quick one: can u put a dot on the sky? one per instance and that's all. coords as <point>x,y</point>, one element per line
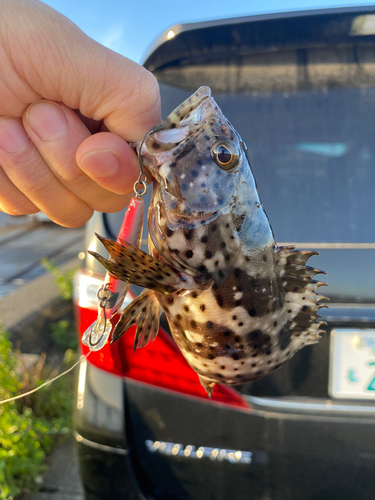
<point>130,27</point>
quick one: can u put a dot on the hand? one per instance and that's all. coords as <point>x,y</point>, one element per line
<point>57,88</point>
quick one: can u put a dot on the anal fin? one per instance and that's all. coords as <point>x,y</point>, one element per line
<point>143,311</point>
<point>207,384</point>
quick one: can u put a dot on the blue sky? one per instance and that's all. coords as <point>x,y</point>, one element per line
<point>129,27</point>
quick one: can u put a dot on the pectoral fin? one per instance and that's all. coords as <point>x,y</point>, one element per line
<point>134,266</point>
<point>144,311</point>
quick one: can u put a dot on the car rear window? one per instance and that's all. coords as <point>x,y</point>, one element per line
<point>308,119</point>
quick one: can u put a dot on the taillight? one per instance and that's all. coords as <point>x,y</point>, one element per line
<point>160,363</point>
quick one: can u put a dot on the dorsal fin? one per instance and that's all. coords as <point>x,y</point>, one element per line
<point>302,301</point>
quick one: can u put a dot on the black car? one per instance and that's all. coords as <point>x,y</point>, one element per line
<point>300,89</point>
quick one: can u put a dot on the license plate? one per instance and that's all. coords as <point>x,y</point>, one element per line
<point>352,364</point>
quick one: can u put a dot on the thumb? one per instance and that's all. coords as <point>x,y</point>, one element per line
<point>53,59</point>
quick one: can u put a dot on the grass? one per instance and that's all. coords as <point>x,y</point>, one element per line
<point>31,427</point>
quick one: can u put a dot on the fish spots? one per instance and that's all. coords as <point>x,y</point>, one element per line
<point>202,269</point>
<point>219,300</point>
<point>188,234</point>
<point>209,324</point>
<point>193,324</point>
<point>285,336</point>
<point>256,334</point>
<point>202,307</point>
<point>208,254</point>
<point>189,254</point>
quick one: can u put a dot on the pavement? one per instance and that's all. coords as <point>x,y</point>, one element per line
<point>61,481</point>
<point>27,308</point>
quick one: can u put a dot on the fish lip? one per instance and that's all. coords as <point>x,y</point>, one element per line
<point>191,218</point>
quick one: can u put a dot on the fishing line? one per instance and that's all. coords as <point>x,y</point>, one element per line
<point>82,358</point>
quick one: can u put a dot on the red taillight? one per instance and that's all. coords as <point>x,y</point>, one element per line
<point>160,363</point>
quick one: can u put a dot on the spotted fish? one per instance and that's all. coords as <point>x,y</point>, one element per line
<point>237,305</point>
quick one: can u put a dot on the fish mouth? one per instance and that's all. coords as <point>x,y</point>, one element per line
<point>177,217</point>
<point>180,125</point>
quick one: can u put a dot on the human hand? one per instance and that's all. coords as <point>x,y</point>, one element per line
<point>67,106</point>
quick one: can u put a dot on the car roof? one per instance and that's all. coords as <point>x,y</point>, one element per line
<point>258,32</point>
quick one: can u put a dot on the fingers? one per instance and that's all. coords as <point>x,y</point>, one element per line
<point>27,172</point>
<point>109,161</point>
<point>12,201</point>
<point>45,56</point>
<point>42,173</point>
<point>57,132</point>
<point>52,58</point>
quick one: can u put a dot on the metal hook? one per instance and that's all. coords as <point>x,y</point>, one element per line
<point>100,337</point>
<point>142,179</point>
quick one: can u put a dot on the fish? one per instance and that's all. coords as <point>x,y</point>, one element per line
<point>238,306</point>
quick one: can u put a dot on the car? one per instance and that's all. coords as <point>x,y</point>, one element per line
<point>299,88</point>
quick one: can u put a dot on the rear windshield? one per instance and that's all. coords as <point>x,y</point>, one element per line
<point>308,119</point>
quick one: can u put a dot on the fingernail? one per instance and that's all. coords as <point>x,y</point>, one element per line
<point>101,163</point>
<point>48,120</point>
<point>13,137</point>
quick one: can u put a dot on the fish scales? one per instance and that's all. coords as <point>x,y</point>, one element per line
<point>237,305</point>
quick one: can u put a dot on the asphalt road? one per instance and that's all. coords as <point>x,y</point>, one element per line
<point>24,242</point>
<point>61,482</point>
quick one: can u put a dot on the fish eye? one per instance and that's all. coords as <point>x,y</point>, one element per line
<point>225,154</point>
